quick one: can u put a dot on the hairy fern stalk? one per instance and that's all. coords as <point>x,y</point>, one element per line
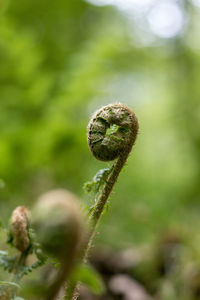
<point>111,134</point>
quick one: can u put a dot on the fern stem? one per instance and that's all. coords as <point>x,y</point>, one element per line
<point>107,146</point>
<point>60,278</point>
<point>103,198</point>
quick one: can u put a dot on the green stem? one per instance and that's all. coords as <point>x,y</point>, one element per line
<point>60,278</point>
<point>103,198</point>
<point>19,263</point>
<point>111,134</point>
<point>71,291</point>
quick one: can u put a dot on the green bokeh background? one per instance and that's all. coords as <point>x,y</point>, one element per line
<point>60,61</point>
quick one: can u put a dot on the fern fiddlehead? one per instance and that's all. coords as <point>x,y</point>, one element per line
<point>58,222</point>
<point>19,228</point>
<point>111,134</point>
<point>112,131</point>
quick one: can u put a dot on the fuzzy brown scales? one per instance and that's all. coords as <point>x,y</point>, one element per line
<point>19,228</point>
<point>112,131</point>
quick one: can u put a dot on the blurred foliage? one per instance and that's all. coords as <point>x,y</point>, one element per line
<point>61,60</point>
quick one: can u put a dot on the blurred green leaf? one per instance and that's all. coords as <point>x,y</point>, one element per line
<point>14,284</point>
<point>89,277</point>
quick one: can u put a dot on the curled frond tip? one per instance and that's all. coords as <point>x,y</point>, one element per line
<point>112,131</point>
